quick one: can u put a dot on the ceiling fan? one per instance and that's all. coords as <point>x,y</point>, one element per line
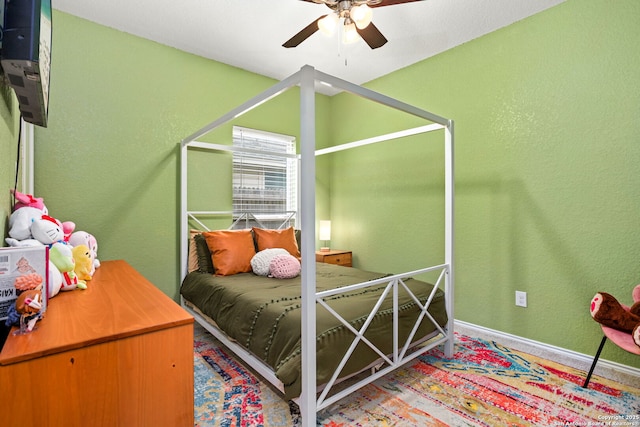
<point>356,18</point>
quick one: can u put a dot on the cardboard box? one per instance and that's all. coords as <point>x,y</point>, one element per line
<point>22,268</point>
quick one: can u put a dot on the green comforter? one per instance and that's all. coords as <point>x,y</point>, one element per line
<point>263,315</point>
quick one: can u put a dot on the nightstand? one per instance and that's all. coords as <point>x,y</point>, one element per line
<point>334,256</point>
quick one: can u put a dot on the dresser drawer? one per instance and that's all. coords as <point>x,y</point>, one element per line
<point>341,258</point>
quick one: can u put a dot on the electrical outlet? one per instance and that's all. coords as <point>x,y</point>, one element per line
<point>521,299</point>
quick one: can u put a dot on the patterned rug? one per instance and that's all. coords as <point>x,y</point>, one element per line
<point>483,384</point>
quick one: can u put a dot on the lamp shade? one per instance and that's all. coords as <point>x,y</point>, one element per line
<point>328,24</point>
<point>324,233</point>
<point>361,15</point>
<point>349,33</point>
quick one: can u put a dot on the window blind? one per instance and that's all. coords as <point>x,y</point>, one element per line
<point>265,177</point>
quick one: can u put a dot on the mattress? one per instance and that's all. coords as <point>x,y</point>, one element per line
<point>263,315</point>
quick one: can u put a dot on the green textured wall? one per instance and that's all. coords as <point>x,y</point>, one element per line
<point>119,107</point>
<point>547,151</point>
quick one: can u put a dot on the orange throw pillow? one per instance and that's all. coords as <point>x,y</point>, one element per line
<point>268,239</point>
<point>231,251</point>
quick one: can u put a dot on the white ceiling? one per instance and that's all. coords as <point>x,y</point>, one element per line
<point>249,33</point>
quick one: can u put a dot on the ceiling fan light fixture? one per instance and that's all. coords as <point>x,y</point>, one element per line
<point>328,24</point>
<point>361,15</point>
<point>349,33</point>
<point>356,18</point>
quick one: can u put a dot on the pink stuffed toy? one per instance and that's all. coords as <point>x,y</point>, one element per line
<point>27,200</point>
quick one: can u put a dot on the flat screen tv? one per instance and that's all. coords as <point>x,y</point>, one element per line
<point>26,55</point>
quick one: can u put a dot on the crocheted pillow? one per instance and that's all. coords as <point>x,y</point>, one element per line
<point>284,266</point>
<point>261,261</point>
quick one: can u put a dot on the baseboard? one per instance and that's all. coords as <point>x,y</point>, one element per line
<point>604,368</point>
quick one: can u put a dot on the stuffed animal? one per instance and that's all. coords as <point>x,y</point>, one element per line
<point>62,257</point>
<point>84,238</point>
<point>47,230</point>
<point>27,225</point>
<point>84,264</point>
<point>606,310</point>
<point>20,222</point>
<point>54,280</point>
<point>15,243</point>
<point>25,210</point>
<point>67,229</point>
<point>27,200</point>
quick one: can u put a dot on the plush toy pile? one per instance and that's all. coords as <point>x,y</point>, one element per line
<point>606,310</point>
<point>73,255</point>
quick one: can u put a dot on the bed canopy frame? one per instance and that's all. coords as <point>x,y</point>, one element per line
<point>307,78</point>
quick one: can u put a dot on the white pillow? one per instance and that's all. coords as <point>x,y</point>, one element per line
<point>261,261</point>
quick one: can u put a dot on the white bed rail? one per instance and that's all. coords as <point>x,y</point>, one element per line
<point>240,217</point>
<point>399,355</point>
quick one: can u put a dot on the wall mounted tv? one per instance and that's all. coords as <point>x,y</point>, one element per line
<point>26,55</point>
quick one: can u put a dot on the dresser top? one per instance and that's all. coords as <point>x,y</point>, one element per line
<point>118,303</point>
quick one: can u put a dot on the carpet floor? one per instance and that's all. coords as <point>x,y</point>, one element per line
<point>483,384</point>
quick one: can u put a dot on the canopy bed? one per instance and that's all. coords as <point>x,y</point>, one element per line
<point>305,335</point>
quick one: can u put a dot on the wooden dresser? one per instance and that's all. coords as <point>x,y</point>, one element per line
<point>334,256</point>
<point>117,354</point>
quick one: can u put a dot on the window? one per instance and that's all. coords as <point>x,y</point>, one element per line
<point>265,179</point>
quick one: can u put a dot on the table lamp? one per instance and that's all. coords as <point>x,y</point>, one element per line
<point>324,234</point>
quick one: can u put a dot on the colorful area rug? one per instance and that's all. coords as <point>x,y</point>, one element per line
<point>483,384</point>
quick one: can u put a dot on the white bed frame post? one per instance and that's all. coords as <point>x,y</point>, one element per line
<point>184,218</point>
<point>449,185</point>
<point>308,214</point>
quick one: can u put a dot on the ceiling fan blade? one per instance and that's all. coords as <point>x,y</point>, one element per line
<point>372,36</point>
<point>304,34</point>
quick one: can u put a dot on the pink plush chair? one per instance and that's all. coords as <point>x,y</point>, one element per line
<point>623,340</point>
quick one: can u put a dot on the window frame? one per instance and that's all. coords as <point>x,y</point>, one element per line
<point>255,158</point>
